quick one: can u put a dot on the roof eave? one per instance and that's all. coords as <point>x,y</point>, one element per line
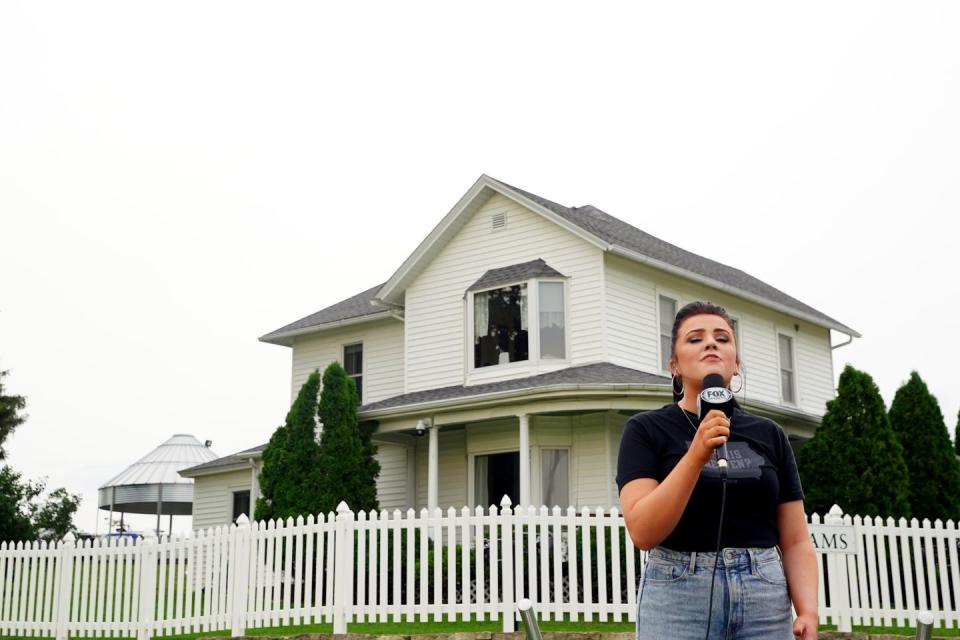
<point>241,465</point>
<point>391,290</point>
<point>740,293</point>
<point>534,393</point>
<point>285,338</point>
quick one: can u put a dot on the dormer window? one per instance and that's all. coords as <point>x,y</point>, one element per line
<point>518,313</point>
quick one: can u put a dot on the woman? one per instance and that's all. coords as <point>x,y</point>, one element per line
<point>671,490</point>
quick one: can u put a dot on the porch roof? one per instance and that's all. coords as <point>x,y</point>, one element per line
<point>601,373</point>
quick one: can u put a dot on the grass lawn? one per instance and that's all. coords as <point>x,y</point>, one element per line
<point>415,628</point>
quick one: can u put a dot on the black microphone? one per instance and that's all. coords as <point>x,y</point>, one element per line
<point>716,396</point>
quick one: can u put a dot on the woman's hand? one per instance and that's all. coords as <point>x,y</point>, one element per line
<point>713,432</point>
<point>805,627</point>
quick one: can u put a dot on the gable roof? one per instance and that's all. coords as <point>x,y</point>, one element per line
<point>225,461</point>
<point>361,307</point>
<point>524,271</point>
<point>608,234</point>
<point>587,222</point>
<point>618,233</point>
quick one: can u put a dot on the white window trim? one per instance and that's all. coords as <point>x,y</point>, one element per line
<point>678,301</point>
<point>363,358</point>
<point>793,354</point>
<point>534,363</point>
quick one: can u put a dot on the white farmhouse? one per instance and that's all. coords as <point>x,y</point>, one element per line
<point>506,353</point>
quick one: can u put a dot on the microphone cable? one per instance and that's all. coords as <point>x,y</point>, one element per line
<point>723,505</point>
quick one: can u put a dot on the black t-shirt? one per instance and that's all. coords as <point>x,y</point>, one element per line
<point>762,473</point>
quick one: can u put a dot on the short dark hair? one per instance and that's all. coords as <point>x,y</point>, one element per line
<point>697,308</point>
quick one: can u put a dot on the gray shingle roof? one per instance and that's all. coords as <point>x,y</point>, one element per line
<point>356,306</point>
<point>618,232</point>
<point>234,458</point>
<point>600,374</point>
<point>523,271</point>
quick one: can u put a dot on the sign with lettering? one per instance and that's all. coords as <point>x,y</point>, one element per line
<point>833,538</point>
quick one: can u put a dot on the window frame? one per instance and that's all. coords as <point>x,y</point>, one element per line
<point>343,358</point>
<point>533,361</point>
<point>233,504</point>
<point>793,371</point>
<point>678,304</point>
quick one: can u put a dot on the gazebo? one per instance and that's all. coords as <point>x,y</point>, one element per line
<point>152,485</point>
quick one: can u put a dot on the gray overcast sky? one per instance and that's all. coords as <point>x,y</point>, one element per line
<point>177,179</point>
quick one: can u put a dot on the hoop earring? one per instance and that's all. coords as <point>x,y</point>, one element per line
<point>740,388</point>
<point>677,392</point>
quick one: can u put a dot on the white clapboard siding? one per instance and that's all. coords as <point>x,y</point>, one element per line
<point>814,368</point>
<point>382,356</point>
<point>392,481</point>
<point>213,497</point>
<point>434,302</point>
<point>632,338</point>
<point>633,333</point>
<point>591,461</point>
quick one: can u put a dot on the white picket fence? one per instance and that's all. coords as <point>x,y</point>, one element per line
<point>404,567</point>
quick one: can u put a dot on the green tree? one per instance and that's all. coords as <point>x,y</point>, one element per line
<point>956,436</point>
<point>10,416</point>
<point>854,459</point>
<point>290,477</point>
<point>934,489</point>
<point>347,466</point>
<point>24,515</point>
<point>16,496</point>
<point>53,519</point>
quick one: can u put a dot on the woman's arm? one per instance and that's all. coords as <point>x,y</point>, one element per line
<point>652,509</point>
<point>800,566</point>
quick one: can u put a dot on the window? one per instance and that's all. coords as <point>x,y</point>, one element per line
<point>241,505</point>
<point>555,477</point>
<point>787,374</point>
<point>353,363</point>
<point>500,326</point>
<point>494,476</point>
<point>668,311</point>
<point>552,334</point>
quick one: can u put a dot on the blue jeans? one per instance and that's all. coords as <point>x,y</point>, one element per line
<point>750,599</point>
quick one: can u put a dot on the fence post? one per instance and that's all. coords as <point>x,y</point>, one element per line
<point>240,576</point>
<point>343,568</point>
<point>61,598</point>
<point>149,552</point>
<point>506,555</point>
<point>839,581</point>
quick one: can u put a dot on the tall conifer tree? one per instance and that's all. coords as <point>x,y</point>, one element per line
<point>290,477</point>
<point>854,459</point>
<point>346,451</point>
<point>956,436</point>
<point>934,490</point>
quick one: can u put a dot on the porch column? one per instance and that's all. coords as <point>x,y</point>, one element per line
<point>433,464</point>
<point>524,459</point>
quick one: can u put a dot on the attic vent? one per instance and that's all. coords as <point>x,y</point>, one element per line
<point>499,221</point>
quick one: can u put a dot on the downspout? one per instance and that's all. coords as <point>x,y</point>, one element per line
<point>842,344</point>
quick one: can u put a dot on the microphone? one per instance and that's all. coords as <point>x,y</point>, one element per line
<point>716,396</point>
